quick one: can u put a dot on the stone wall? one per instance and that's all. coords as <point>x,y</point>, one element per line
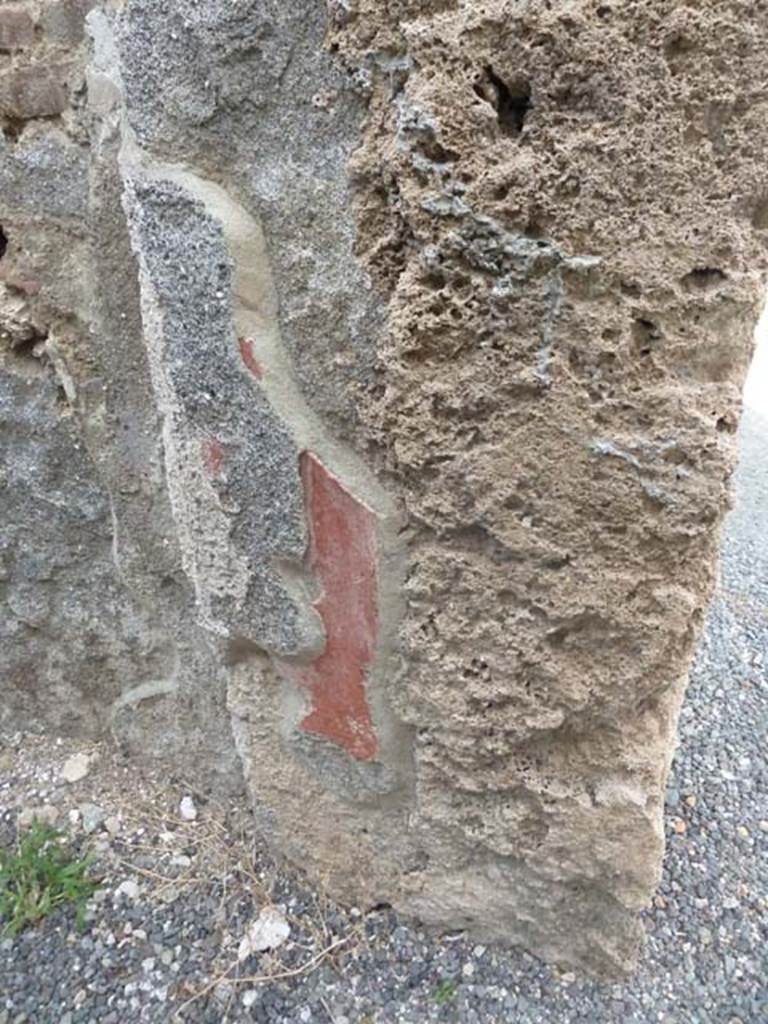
<point>370,374</point>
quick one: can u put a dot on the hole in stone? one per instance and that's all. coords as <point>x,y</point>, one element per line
<point>512,103</point>
<point>29,345</point>
<point>557,637</point>
<point>631,289</point>
<point>434,279</point>
<point>703,279</point>
<point>437,153</point>
<point>557,562</point>
<point>644,335</point>
<point>3,242</point>
<point>677,46</point>
<point>13,127</point>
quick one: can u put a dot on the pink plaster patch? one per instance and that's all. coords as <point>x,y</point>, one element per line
<point>22,284</point>
<point>246,352</point>
<point>213,457</point>
<point>343,557</point>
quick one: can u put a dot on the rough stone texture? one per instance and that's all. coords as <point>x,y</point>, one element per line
<point>17,29</point>
<point>568,196</point>
<point>382,365</point>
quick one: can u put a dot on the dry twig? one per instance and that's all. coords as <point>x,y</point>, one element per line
<point>261,979</point>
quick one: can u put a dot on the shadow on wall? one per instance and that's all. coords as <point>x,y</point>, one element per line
<point>756,386</point>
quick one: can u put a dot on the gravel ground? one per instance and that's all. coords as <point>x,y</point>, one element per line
<point>192,889</point>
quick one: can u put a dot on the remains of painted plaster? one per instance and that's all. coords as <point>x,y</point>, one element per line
<point>370,374</point>
<point>247,353</point>
<point>343,555</point>
<point>343,533</point>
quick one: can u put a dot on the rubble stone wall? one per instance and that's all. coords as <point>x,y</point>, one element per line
<point>369,374</point>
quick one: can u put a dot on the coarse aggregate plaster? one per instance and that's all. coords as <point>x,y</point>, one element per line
<point>503,260</point>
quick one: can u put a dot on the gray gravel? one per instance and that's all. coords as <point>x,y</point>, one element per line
<point>705,959</point>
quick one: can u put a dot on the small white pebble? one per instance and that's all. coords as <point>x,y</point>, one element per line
<point>249,998</point>
<point>129,888</point>
<point>112,824</point>
<point>76,768</point>
<point>187,809</point>
<point>268,931</point>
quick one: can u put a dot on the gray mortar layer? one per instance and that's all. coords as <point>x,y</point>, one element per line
<point>232,529</point>
<point>248,95</point>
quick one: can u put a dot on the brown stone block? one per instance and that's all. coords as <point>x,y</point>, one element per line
<point>17,30</point>
<point>33,91</point>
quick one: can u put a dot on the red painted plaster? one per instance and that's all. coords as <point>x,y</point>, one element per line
<point>342,556</point>
<point>213,457</point>
<point>246,352</point>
